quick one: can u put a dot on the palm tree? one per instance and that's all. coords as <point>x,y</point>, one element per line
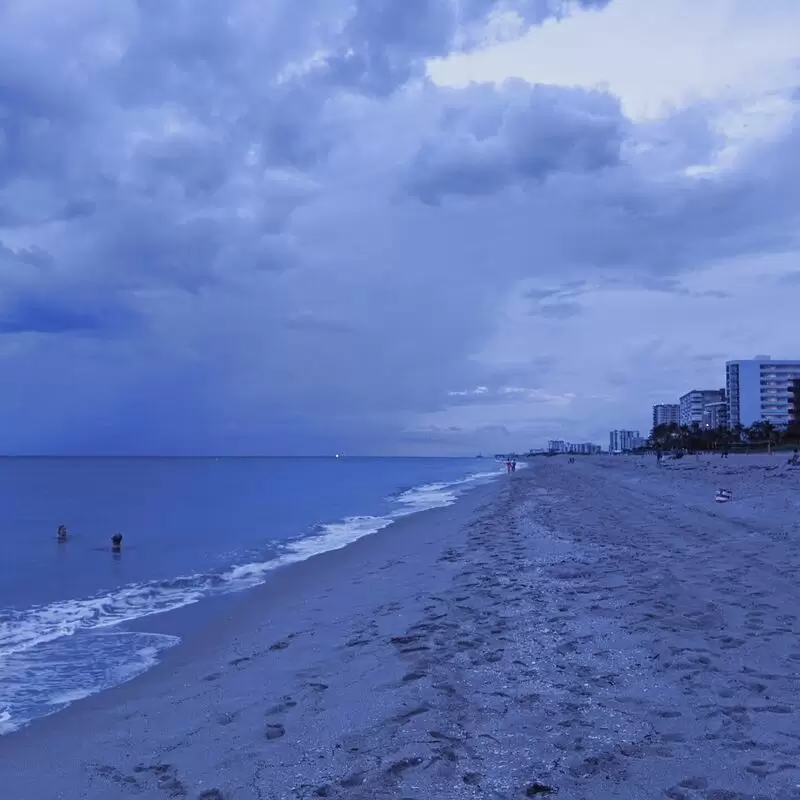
<point>763,432</point>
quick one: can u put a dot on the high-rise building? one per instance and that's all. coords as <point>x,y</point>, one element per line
<point>584,448</point>
<point>794,408</point>
<point>715,415</point>
<point>556,446</point>
<point>624,441</point>
<point>760,389</point>
<point>693,403</point>
<point>666,414</point>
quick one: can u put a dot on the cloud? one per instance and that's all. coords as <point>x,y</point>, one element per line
<point>263,228</point>
<point>790,278</point>
<point>478,391</point>
<point>559,310</point>
<point>384,44</point>
<point>49,315</point>
<point>492,138</point>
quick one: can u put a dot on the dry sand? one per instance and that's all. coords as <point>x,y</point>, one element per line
<point>601,629</point>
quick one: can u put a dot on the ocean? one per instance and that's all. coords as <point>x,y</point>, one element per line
<point>193,528</point>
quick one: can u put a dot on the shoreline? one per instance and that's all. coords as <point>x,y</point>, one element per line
<point>213,617</point>
<point>601,629</point>
<point>167,629</point>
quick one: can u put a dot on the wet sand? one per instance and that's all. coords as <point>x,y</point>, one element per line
<point>601,629</point>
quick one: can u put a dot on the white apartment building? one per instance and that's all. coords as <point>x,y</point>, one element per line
<point>584,448</point>
<point>624,441</point>
<point>556,446</point>
<point>693,404</point>
<point>760,389</point>
<point>666,414</point>
<point>715,415</point>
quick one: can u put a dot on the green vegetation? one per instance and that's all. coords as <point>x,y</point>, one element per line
<point>762,436</point>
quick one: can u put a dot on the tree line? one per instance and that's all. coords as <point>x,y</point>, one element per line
<point>763,435</point>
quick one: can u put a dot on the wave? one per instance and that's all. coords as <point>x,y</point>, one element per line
<point>336,535</point>
<point>23,630</point>
<point>60,672</point>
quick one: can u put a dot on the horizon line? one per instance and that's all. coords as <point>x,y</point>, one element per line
<point>220,455</point>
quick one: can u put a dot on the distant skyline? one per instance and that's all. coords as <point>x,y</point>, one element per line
<point>390,227</point>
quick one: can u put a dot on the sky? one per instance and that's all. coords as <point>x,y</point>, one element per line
<point>393,227</point>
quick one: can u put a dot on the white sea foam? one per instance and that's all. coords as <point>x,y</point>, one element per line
<point>6,723</point>
<point>22,630</point>
<point>47,679</point>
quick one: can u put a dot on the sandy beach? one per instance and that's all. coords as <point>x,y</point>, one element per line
<point>601,629</point>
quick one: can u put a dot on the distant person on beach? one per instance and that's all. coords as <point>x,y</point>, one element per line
<point>61,533</point>
<point>659,456</point>
<point>116,542</point>
<point>794,461</point>
<point>514,465</point>
<point>508,465</point>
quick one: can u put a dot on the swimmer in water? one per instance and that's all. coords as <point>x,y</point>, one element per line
<point>61,533</point>
<point>116,542</point>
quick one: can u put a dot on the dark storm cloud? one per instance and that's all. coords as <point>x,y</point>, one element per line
<point>51,315</point>
<point>200,217</point>
<point>518,133</point>
<point>384,43</point>
<point>35,298</point>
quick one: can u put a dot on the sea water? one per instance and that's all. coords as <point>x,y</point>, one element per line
<point>193,529</point>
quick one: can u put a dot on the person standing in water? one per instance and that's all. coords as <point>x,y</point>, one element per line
<point>116,542</point>
<point>61,533</point>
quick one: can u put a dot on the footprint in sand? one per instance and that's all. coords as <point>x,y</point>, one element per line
<point>275,731</point>
<point>353,780</point>
<point>286,704</point>
<point>399,767</point>
<point>357,642</point>
<point>166,778</point>
<point>536,789</point>
<point>406,716</point>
